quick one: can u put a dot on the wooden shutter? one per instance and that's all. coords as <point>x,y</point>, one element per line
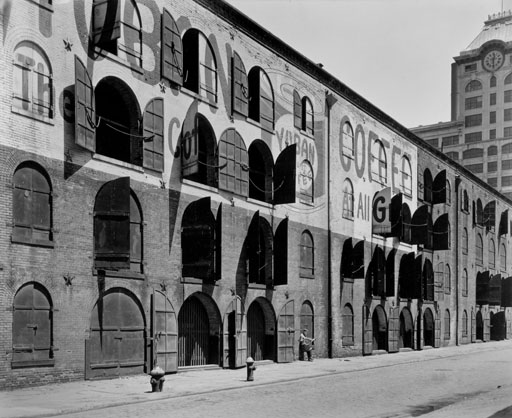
<point>106,21</point>
<point>482,288</point>
<point>428,280</point>
<point>378,272</point>
<point>239,86</point>
<point>495,290</point>
<point>153,133</point>
<point>406,276</point>
<point>416,291</point>
<point>297,110</point>
<point>437,331</point>
<point>487,328</point>
<point>358,261</point>
<point>367,331</point>
<point>442,233</point>
<point>286,333</point>
<point>172,50</point>
<point>85,111</point>
<point>421,226</point>
<point>189,146</point>
<point>198,240</point>
<point>390,274</point>
<point>393,329</point>
<point>503,230</point>
<point>284,176</point>
<point>254,248</point>
<point>473,327</point>
<point>439,188</point>
<point>506,293</point>
<point>489,220</point>
<point>164,333</point>
<point>479,213</point>
<point>218,244</point>
<point>233,163</point>
<point>395,215</point>
<point>281,254</point>
<point>112,225</point>
<point>420,324</point>
<point>439,282</point>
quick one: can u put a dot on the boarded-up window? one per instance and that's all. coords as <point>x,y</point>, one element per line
<point>446,325</point>
<point>307,253</point>
<point>233,163</point>
<point>32,206</point>
<point>465,282</point>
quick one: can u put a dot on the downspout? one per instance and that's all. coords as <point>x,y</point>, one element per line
<point>457,184</point>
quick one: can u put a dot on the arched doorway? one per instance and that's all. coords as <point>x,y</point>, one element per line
<point>428,328</point>
<point>260,330</point>
<point>198,332</point>
<point>117,342</point>
<point>380,329</point>
<point>498,326</point>
<point>479,326</point>
<point>406,339</point>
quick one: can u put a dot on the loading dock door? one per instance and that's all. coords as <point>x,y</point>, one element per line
<point>164,333</point>
<point>286,334</point>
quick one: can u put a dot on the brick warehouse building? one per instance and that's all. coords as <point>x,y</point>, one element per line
<point>181,188</point>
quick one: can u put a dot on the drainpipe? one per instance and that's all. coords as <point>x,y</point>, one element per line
<point>457,185</point>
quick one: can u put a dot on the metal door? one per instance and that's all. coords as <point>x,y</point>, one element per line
<point>367,332</point>
<point>286,333</point>
<point>117,338</point>
<point>194,334</point>
<point>235,335</point>
<point>393,330</point>
<point>256,332</point>
<point>164,333</point>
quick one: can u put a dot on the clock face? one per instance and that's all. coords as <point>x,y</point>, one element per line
<point>493,60</point>
<point>306,176</point>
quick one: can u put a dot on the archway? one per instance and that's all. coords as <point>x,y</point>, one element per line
<point>479,326</point>
<point>406,339</point>
<point>260,330</point>
<point>428,328</point>
<point>199,327</point>
<point>380,329</point>
<point>117,341</point>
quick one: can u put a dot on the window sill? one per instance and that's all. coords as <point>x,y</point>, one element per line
<point>32,115</point>
<point>112,57</point>
<point>43,4</point>
<point>307,202</point>
<point>123,274</point>
<point>32,363</point>
<point>119,163</point>
<point>348,218</point>
<point>200,185</point>
<point>259,125</point>
<point>195,280</point>
<point>34,243</point>
<point>306,276</point>
<point>259,202</point>
<point>258,286</point>
<point>307,134</point>
<point>197,96</point>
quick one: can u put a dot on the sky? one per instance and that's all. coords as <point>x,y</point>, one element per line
<point>395,53</point>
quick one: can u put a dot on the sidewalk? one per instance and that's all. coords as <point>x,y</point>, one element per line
<point>65,398</point>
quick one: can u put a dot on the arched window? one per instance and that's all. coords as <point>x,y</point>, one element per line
<point>473,153</point>
<point>493,81</point>
<point>233,163</point>
<point>260,243</point>
<point>199,65</point>
<point>379,164</point>
<point>465,201</point>
<point>32,92</point>
<point>492,150</point>
<point>465,282</point>
<point>447,325</point>
<point>306,182</point>
<point>307,255</point>
<point>32,327</point>
<point>503,257</point>
<point>448,193</point>
<point>347,325</point>
<point>260,171</point>
<point>261,98</point>
<point>508,79</point>
<point>464,323</point>
<point>347,141</point>
<point>473,85</point>
<point>307,318</point>
<point>447,279</point>
<point>32,206</point>
<point>506,149</point>
<point>492,254</point>
<point>112,33</point>
<point>479,249</point>
<point>465,243</point>
<point>427,186</point>
<point>348,199</point>
<point>307,116</point>
<point>406,177</point>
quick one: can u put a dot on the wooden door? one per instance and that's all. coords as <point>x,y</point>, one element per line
<point>164,333</point>
<point>437,331</point>
<point>235,335</point>
<point>393,330</point>
<point>286,333</point>
<point>367,331</point>
<point>473,327</point>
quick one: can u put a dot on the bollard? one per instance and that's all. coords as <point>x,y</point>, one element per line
<point>157,379</point>
<point>250,369</point>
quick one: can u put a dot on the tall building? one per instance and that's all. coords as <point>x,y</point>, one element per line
<point>479,135</point>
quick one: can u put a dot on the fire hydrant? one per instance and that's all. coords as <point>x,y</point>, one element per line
<point>157,379</point>
<point>250,369</point>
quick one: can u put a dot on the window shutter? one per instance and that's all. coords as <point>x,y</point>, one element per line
<point>284,176</point>
<point>439,188</point>
<point>437,331</point>
<point>395,215</point>
<point>153,133</point>
<point>106,21</point>
<point>233,163</point>
<point>390,274</point>
<point>112,225</point>
<point>489,218</point>
<point>482,288</point>
<point>189,146</point>
<point>85,112</point>
<point>416,292</point>
<point>406,276</point>
<point>281,254</point>
<point>378,272</point>
<point>428,280</point>
<point>358,261</point>
<point>442,233</point>
<point>254,248</point>
<point>495,290</point>
<point>269,265</point>
<point>439,282</point>
<point>297,110</point>
<point>406,224</point>
<point>506,293</point>
<point>240,86</point>
<point>503,223</point>
<point>172,50</point>
<point>393,330</point>
<point>198,240</point>
<point>218,244</point>
<point>479,213</point>
<point>421,226</point>
<point>367,331</point>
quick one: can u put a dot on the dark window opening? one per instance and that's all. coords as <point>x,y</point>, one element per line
<point>260,252</point>
<point>261,98</point>
<point>307,254</point>
<point>260,172</point>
